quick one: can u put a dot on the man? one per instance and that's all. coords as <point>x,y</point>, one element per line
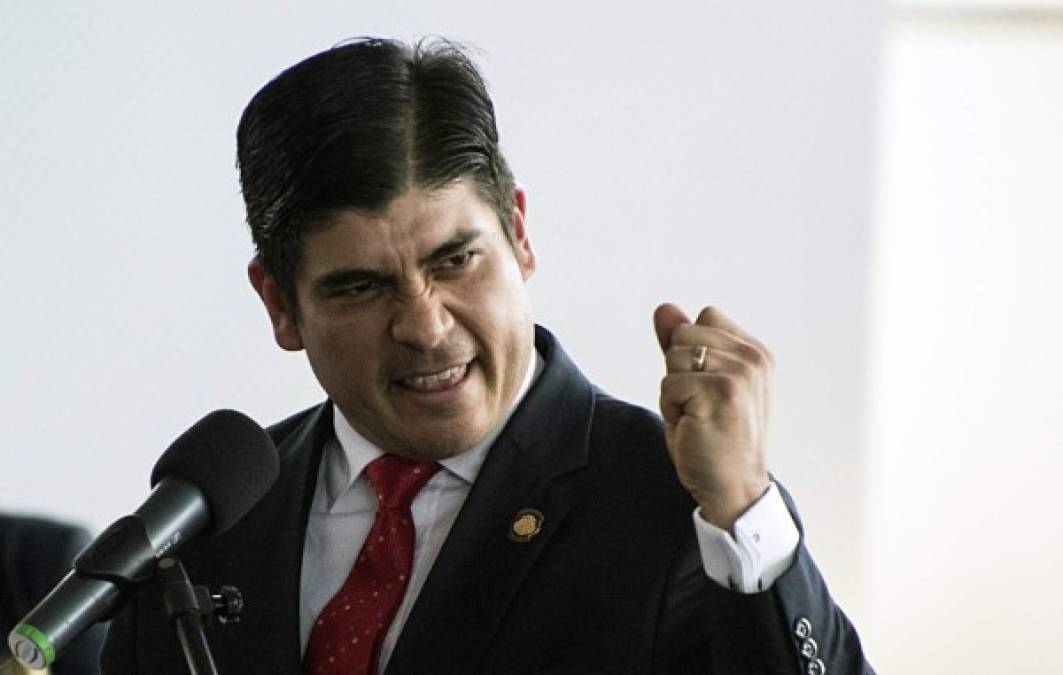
<point>466,501</point>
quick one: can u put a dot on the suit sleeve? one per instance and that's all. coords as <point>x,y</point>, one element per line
<point>816,626</point>
<point>794,627</point>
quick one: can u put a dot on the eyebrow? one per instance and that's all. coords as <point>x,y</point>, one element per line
<point>455,244</point>
<point>354,275</point>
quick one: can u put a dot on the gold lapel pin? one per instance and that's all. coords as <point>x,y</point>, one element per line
<point>526,524</point>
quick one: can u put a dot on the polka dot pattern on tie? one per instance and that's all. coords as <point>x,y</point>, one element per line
<point>347,635</point>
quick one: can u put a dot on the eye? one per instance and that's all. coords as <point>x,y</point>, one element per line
<point>356,289</point>
<point>458,261</point>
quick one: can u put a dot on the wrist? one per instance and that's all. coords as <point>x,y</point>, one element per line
<point>723,508</point>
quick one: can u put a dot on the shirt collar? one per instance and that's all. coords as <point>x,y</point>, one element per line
<point>345,460</point>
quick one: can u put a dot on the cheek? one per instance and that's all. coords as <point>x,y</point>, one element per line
<point>342,354</point>
<point>500,319</point>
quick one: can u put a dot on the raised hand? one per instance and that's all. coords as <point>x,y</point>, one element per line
<point>714,400</point>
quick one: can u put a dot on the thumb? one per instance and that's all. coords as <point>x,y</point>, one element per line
<point>666,319</point>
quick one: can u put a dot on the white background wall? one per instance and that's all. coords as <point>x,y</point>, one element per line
<point>966,377</point>
<point>690,151</point>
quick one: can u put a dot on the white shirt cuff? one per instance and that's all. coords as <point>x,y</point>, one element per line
<point>761,550</point>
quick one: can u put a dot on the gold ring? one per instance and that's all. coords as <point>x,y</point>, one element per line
<point>698,360</point>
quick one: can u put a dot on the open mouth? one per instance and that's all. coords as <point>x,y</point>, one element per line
<point>439,381</point>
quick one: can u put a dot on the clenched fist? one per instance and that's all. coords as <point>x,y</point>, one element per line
<point>714,400</point>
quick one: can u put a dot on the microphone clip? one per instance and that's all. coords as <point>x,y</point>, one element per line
<point>122,555</point>
<point>180,598</point>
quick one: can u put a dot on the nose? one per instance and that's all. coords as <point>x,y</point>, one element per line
<point>420,321</point>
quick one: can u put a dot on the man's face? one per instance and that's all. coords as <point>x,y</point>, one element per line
<point>415,321</point>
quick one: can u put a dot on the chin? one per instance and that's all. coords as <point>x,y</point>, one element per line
<point>435,452</point>
<point>436,446</point>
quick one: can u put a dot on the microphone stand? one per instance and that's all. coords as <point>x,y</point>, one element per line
<point>191,608</point>
<point>123,555</point>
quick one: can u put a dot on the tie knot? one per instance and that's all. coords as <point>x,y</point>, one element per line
<point>397,480</point>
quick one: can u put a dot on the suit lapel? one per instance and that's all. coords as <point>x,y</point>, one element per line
<point>274,533</point>
<point>480,567</point>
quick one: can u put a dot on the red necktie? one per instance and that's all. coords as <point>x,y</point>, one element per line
<point>347,635</point>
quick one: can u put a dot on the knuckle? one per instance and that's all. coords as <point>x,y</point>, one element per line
<point>724,386</point>
<point>752,355</point>
<point>744,369</point>
<point>684,334</point>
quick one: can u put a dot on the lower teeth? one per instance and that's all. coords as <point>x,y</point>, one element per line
<point>451,376</point>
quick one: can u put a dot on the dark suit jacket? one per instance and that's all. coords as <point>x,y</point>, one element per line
<point>612,584</point>
<point>35,553</point>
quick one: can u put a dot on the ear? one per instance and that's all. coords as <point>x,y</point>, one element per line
<point>285,326</point>
<point>522,247</point>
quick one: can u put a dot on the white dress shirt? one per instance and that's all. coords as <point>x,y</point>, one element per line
<point>344,507</point>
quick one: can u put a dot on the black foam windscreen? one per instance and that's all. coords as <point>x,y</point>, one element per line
<point>229,457</point>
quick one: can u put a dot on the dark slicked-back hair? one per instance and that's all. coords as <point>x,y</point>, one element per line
<point>355,127</point>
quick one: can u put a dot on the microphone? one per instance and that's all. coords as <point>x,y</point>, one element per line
<point>205,482</point>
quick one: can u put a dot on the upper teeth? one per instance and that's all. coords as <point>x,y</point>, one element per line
<point>435,380</point>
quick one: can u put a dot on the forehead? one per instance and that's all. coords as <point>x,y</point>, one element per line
<point>412,225</point>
